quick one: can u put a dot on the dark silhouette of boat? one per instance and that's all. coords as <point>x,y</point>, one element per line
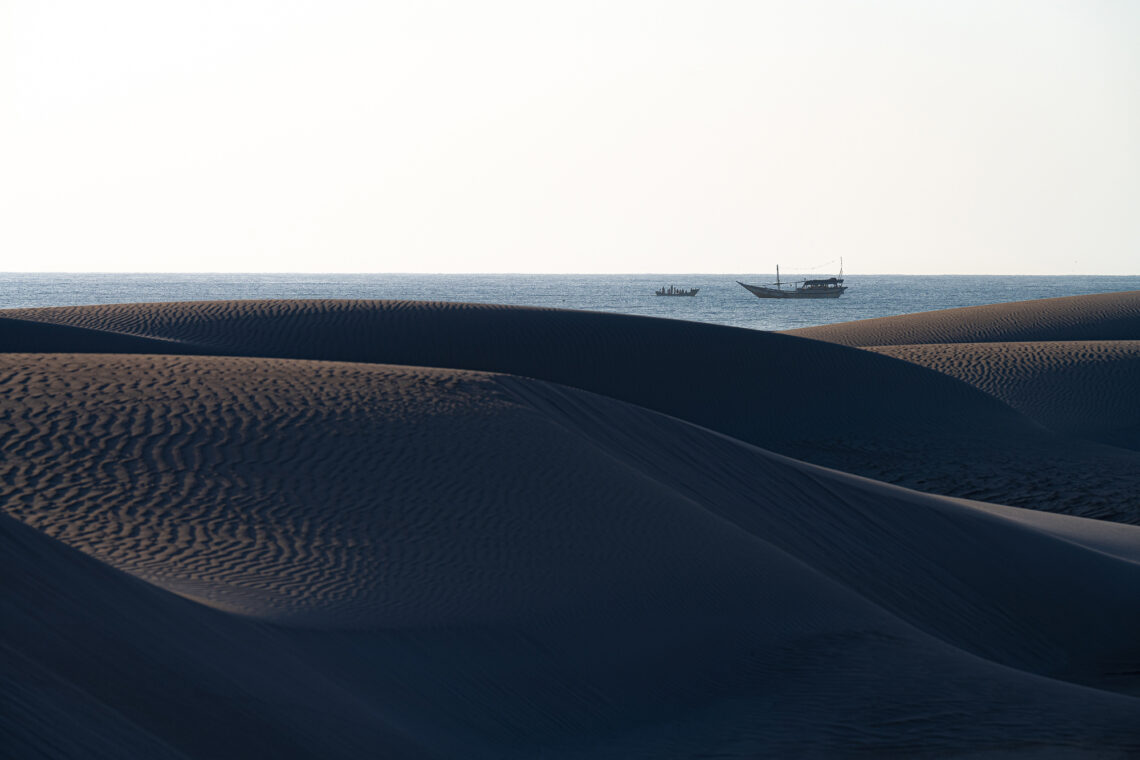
<point>829,287</point>
<point>672,291</point>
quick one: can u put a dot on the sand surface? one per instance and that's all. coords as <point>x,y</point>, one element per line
<point>1105,316</point>
<point>360,529</point>
<point>827,404</point>
<point>1071,364</point>
<point>1086,388</point>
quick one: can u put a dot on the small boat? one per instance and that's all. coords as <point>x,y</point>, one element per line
<point>830,287</point>
<point>672,291</point>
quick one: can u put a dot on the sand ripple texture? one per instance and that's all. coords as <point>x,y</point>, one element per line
<point>240,557</point>
<point>1105,316</point>
<point>828,404</point>
<point>339,486</point>
<point>1084,388</point>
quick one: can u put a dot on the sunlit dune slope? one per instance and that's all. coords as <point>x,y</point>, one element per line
<point>829,404</point>
<point>424,562</point>
<point>1104,316</point>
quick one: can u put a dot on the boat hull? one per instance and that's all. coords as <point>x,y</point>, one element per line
<point>762,292</point>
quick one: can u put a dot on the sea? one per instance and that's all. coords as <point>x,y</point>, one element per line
<point>720,300</point>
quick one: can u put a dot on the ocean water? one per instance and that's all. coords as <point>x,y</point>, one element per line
<point>720,301</point>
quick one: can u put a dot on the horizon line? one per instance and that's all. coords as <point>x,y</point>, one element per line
<point>558,274</point>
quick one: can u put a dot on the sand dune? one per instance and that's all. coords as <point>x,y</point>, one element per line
<point>1105,316</point>
<point>752,378</point>
<point>1072,364</point>
<point>345,559</point>
<point>827,404</point>
<point>1083,388</point>
<point>100,664</point>
<point>30,335</point>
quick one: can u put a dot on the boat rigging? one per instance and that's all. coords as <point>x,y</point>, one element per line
<point>829,287</point>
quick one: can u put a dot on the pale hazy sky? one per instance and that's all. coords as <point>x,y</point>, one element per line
<point>994,136</point>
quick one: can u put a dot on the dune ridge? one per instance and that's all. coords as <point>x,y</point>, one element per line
<point>832,405</point>
<point>1103,316</point>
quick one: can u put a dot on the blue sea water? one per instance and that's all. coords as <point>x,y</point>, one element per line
<point>720,301</point>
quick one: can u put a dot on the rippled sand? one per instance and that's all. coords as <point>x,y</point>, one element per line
<point>360,529</point>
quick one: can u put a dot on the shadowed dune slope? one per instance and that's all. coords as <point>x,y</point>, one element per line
<point>1104,316</point>
<point>97,664</point>
<point>21,335</point>
<point>424,562</point>
<point>1085,388</point>
<point>828,404</point>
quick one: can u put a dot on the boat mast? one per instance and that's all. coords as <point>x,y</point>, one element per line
<point>840,266</point>
<point>777,275</point>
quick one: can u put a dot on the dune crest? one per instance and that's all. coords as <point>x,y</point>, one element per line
<point>1104,316</point>
<point>832,405</point>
